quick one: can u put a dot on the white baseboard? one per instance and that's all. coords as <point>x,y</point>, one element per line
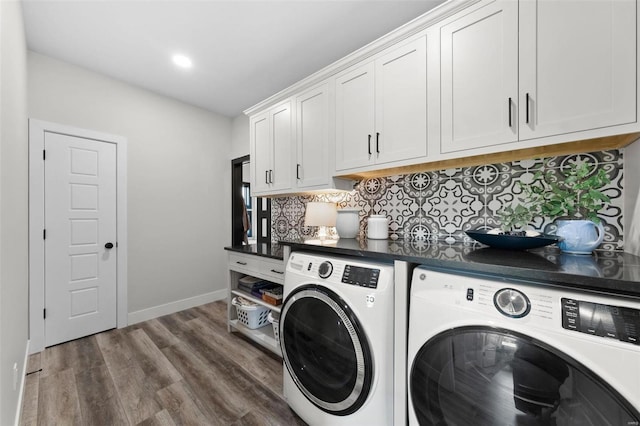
<point>179,305</point>
<point>24,378</point>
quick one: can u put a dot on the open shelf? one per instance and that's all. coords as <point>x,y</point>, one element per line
<point>254,299</point>
<point>263,335</point>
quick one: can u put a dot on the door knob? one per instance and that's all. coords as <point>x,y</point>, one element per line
<point>108,246</point>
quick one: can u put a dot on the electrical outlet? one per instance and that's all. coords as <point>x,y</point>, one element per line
<point>15,376</point>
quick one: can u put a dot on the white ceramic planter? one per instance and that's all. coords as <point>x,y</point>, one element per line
<point>348,223</point>
<point>377,227</point>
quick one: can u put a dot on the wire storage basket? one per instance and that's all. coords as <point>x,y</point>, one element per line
<point>250,314</point>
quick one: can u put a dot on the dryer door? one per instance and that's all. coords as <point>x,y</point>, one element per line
<point>325,350</point>
<point>489,376</point>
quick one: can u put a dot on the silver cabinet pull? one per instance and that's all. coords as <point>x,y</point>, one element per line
<point>369,145</point>
<point>509,108</point>
<point>241,263</point>
<point>277,272</point>
<point>527,109</point>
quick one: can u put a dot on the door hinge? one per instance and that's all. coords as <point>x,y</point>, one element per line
<point>44,313</point>
<point>44,234</point>
<point>44,154</point>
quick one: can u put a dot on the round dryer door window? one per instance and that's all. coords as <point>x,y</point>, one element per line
<point>487,376</point>
<point>325,350</point>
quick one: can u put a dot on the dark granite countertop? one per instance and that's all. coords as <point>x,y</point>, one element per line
<point>610,272</point>
<point>272,250</point>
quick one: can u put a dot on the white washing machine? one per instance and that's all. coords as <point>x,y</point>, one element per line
<point>485,352</point>
<point>336,335</point>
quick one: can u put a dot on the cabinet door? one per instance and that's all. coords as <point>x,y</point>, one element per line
<point>578,65</point>
<point>261,149</point>
<point>312,131</point>
<point>355,117</point>
<point>281,135</point>
<point>479,76</point>
<point>401,103</point>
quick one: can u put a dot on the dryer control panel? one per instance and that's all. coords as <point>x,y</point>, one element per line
<point>614,322</point>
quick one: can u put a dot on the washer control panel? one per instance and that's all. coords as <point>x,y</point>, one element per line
<point>615,322</point>
<point>363,277</point>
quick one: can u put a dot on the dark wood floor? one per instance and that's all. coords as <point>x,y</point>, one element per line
<point>182,369</point>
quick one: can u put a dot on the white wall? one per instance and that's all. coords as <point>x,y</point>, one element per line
<point>632,199</point>
<point>239,137</point>
<point>179,177</point>
<point>13,207</point>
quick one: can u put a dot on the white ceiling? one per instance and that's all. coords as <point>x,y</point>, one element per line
<point>243,51</point>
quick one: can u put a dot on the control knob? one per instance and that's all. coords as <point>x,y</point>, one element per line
<point>511,303</point>
<point>325,269</point>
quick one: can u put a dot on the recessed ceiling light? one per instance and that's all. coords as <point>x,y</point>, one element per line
<point>182,61</point>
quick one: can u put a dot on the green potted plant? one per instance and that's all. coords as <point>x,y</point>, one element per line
<point>573,202</point>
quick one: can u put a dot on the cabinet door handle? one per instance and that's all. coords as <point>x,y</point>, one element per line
<point>266,177</point>
<point>270,176</point>
<point>298,171</point>
<point>241,263</point>
<point>378,142</point>
<point>369,144</point>
<point>527,108</point>
<point>277,272</point>
<point>509,108</point>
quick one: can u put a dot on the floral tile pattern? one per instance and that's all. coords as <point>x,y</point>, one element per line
<point>441,205</point>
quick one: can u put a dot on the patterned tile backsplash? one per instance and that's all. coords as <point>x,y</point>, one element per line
<point>441,205</point>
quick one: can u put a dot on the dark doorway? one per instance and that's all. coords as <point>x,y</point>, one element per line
<point>244,208</point>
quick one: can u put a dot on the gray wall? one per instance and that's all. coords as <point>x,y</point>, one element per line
<point>13,206</point>
<point>239,137</point>
<point>179,176</point>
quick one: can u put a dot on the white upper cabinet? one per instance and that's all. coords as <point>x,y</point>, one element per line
<point>261,150</point>
<point>271,149</point>
<point>312,138</point>
<point>355,114</point>
<point>577,65</point>
<point>401,102</point>
<point>381,108</point>
<point>479,78</point>
<point>514,71</point>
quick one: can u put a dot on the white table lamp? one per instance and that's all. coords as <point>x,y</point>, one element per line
<point>322,215</point>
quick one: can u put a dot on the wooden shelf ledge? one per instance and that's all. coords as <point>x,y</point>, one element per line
<point>587,145</point>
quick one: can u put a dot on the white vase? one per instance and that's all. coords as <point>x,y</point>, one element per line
<point>348,223</point>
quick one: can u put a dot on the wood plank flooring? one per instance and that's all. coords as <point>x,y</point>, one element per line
<point>180,369</point>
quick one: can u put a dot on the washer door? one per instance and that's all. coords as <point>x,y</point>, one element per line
<point>325,350</point>
<point>488,376</point>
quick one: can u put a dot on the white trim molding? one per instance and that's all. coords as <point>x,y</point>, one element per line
<point>37,131</point>
<point>177,306</point>
<point>22,383</point>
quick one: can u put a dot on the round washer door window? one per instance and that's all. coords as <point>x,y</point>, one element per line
<point>487,376</point>
<point>325,350</point>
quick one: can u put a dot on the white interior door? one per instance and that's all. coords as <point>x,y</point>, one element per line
<point>80,222</point>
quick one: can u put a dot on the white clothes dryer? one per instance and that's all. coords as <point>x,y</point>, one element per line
<point>336,336</point>
<point>485,352</point>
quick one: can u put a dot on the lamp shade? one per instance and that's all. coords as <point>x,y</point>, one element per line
<point>320,214</point>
